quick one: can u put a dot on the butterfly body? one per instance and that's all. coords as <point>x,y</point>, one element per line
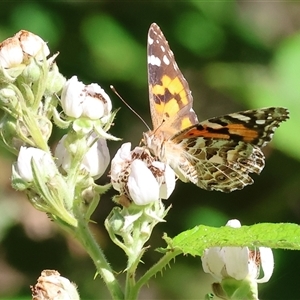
<point>216,154</point>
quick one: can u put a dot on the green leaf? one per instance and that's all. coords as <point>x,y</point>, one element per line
<point>196,240</point>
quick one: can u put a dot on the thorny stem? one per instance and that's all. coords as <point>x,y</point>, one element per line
<point>85,237</point>
<point>159,266</point>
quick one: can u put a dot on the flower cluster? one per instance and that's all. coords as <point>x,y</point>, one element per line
<point>31,90</point>
<point>64,185</point>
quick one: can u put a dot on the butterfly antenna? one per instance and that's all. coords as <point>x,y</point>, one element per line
<point>115,91</point>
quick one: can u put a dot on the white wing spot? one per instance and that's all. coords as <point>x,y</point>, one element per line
<point>166,60</point>
<point>241,117</point>
<point>260,122</point>
<point>154,60</point>
<point>150,40</point>
<point>162,48</point>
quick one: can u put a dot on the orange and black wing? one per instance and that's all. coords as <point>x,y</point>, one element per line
<point>170,97</point>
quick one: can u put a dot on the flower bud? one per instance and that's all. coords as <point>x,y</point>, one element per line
<point>55,81</point>
<point>9,133</point>
<point>16,52</point>
<point>95,160</point>
<point>8,98</point>
<point>32,72</point>
<point>41,158</point>
<point>80,100</point>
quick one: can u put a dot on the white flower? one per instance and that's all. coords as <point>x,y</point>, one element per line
<point>238,262</point>
<point>139,177</point>
<point>95,161</point>
<point>80,100</point>
<point>42,159</point>
<point>51,285</point>
<point>15,50</point>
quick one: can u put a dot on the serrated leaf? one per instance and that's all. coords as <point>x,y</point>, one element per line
<point>196,240</point>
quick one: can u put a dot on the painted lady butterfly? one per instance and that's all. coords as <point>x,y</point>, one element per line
<point>216,154</point>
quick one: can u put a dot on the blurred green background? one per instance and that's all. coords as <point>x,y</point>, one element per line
<point>235,56</point>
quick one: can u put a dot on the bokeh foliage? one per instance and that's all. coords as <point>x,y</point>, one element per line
<point>235,56</point>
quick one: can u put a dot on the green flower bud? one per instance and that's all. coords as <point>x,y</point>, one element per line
<point>32,72</point>
<point>8,99</point>
<point>11,74</point>
<point>116,221</point>
<point>55,81</point>
<point>8,127</point>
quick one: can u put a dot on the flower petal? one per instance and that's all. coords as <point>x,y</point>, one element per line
<point>168,185</point>
<point>32,44</point>
<point>267,263</point>
<point>40,157</point>
<point>213,263</point>
<point>121,158</point>
<point>11,54</point>
<point>236,260</point>
<point>142,185</point>
<point>72,97</point>
<point>97,158</point>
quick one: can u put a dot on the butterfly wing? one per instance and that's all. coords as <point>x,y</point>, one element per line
<point>169,94</point>
<point>219,153</point>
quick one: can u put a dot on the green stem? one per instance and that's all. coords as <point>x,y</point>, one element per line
<point>130,283</point>
<point>85,237</point>
<point>34,129</point>
<point>158,267</point>
<point>134,256</point>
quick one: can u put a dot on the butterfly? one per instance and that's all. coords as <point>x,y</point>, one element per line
<point>216,154</point>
